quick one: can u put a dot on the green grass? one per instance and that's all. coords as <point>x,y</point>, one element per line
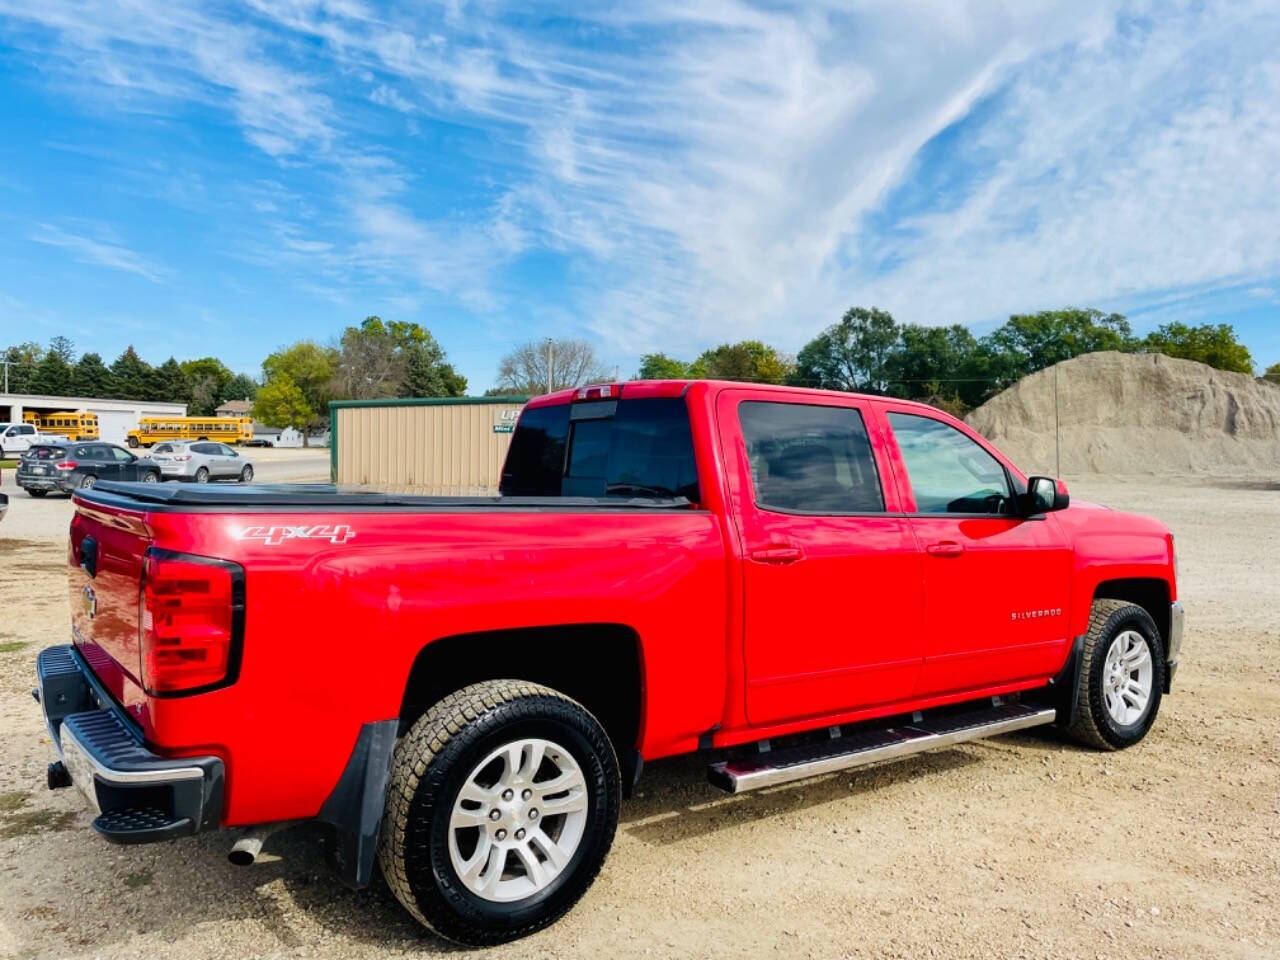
<point>13,646</point>
<point>8,464</point>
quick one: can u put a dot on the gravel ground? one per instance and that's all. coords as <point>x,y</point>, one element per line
<point>1021,846</point>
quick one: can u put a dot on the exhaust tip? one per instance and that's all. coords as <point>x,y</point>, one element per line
<point>241,857</point>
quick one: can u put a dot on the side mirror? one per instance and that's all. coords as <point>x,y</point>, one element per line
<point>1044,495</point>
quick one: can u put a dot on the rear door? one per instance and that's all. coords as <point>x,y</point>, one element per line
<point>831,571</point>
<point>995,585</point>
<point>126,463</point>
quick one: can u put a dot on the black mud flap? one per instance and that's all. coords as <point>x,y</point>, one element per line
<point>354,808</point>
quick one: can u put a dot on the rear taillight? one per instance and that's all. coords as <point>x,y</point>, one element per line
<point>67,465</point>
<point>189,622</point>
<point>182,457</point>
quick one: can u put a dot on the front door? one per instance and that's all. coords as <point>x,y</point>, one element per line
<point>830,570</point>
<point>996,585</point>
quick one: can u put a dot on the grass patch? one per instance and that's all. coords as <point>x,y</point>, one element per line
<point>8,464</point>
<point>142,878</point>
<point>13,546</point>
<point>13,646</point>
<point>29,822</point>
<point>18,821</point>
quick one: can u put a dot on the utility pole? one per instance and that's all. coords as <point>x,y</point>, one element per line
<point>6,363</point>
<point>551,365</point>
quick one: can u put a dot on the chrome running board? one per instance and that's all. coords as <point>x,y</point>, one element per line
<point>872,746</point>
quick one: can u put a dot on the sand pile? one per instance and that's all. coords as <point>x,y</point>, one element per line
<point>1136,413</point>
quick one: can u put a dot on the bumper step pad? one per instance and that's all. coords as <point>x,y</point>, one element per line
<point>872,746</point>
<point>141,825</point>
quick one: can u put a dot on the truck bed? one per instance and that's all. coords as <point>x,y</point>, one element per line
<point>319,497</point>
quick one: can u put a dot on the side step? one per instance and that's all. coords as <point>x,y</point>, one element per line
<point>871,746</point>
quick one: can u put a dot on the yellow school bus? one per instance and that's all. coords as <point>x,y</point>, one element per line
<point>222,429</point>
<point>74,425</point>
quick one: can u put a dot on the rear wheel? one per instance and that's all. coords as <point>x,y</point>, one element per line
<point>1121,678</point>
<point>87,481</point>
<point>202,475</point>
<point>151,477</point>
<point>246,474</point>
<point>502,805</point>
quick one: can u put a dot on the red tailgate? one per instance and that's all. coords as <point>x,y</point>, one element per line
<point>104,575</point>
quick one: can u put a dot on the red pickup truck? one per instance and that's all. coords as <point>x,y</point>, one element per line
<point>462,689</point>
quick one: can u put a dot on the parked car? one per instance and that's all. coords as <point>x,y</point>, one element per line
<point>17,438</point>
<point>258,442</point>
<point>201,461</point>
<point>792,581</point>
<point>68,466</point>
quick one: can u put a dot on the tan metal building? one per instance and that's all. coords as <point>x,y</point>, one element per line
<point>436,445</point>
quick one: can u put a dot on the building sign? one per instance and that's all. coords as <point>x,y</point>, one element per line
<point>505,421</point>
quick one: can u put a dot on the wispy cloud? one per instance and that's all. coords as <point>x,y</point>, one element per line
<point>102,253</point>
<point>719,169</point>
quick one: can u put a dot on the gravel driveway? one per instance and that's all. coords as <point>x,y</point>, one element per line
<point>1021,846</point>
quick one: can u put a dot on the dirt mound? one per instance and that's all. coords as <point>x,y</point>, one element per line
<point>1136,413</point>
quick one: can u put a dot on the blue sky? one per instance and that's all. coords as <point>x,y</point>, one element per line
<point>222,178</point>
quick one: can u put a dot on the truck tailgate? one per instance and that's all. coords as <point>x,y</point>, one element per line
<point>104,575</point>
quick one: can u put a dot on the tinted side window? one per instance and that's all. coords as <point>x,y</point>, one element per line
<point>535,460</point>
<point>122,455</point>
<point>949,473</point>
<point>810,459</point>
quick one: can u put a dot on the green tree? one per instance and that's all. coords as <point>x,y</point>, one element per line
<point>52,376</point>
<point>281,403</point>
<point>426,372</point>
<point>747,360</point>
<point>91,378</point>
<point>21,363</point>
<point>64,348</point>
<point>308,367</point>
<point>207,380</point>
<point>131,376</point>
<point>169,383</point>
<point>1214,344</point>
<point>241,387</point>
<point>853,354</point>
<point>659,366</point>
<point>937,364</point>
<point>1033,341</point>
<point>1273,374</point>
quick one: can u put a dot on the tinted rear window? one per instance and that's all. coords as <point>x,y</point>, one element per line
<point>644,449</point>
<point>45,453</point>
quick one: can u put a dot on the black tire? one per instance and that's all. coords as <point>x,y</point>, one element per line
<point>36,493</point>
<point>433,761</point>
<point>202,475</point>
<point>87,481</point>
<point>246,474</point>
<point>151,476</point>
<point>133,442</point>
<point>1094,725</point>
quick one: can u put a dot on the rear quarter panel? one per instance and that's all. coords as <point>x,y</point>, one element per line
<point>334,621</point>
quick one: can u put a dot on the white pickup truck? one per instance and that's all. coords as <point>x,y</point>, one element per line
<point>17,438</point>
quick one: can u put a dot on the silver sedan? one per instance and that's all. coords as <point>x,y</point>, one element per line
<point>201,461</point>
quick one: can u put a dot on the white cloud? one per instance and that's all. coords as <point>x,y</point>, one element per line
<point>105,253</point>
<point>729,168</point>
<point>1262,293</point>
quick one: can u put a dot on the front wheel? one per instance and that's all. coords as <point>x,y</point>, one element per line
<point>133,443</point>
<point>502,805</point>
<point>1121,677</point>
<point>246,474</point>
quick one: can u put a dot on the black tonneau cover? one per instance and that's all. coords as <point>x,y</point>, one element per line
<point>278,497</point>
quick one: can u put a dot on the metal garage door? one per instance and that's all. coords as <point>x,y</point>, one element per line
<point>114,425</point>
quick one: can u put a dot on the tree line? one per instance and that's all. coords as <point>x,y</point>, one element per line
<point>201,384</point>
<point>868,351</point>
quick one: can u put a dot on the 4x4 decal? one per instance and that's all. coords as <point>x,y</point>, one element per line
<point>274,535</point>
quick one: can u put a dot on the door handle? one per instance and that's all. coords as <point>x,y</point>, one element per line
<point>947,548</point>
<point>779,553</point>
